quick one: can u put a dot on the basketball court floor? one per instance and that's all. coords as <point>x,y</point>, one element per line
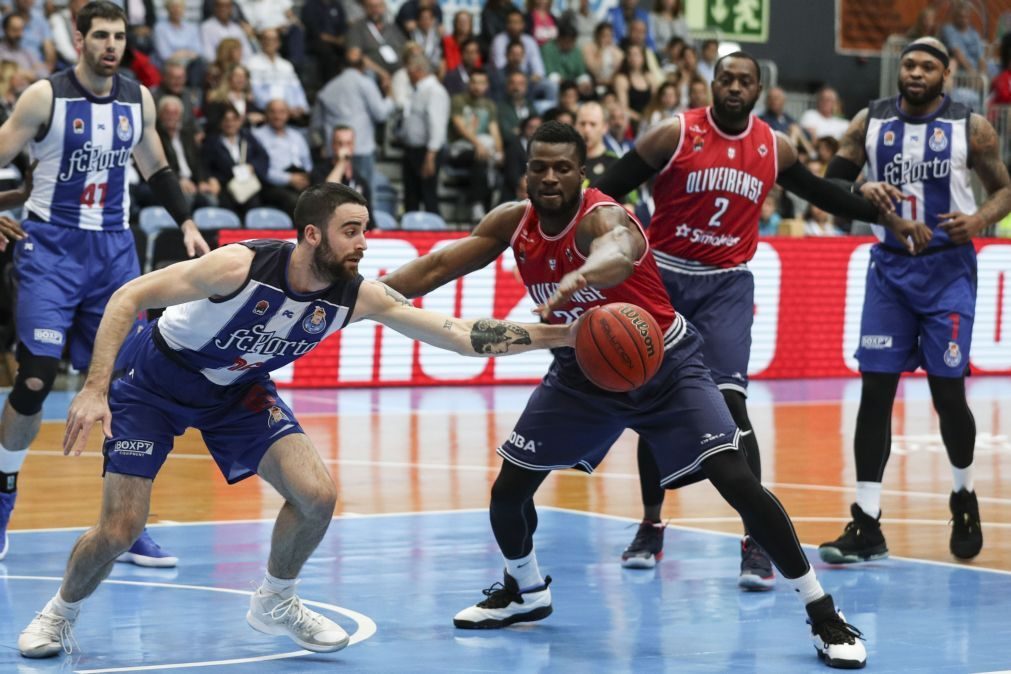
<point>411,545</point>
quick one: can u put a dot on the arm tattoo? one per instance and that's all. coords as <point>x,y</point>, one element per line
<point>448,325</point>
<point>397,297</point>
<point>851,145</point>
<point>491,336</point>
<point>984,158</point>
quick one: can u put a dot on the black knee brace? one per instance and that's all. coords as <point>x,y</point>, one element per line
<point>23,399</point>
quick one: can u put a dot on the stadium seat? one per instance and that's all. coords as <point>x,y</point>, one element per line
<point>212,217</point>
<point>267,218</point>
<point>385,220</point>
<point>423,221</point>
<point>152,220</point>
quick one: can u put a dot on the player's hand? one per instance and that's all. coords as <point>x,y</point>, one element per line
<point>916,235</point>
<point>193,240</point>
<point>88,408</point>
<point>961,227</point>
<point>570,284</point>
<point>9,230</point>
<point>882,195</point>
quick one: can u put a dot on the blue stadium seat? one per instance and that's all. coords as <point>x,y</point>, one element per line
<point>384,220</point>
<point>152,220</point>
<point>267,218</point>
<point>423,221</point>
<point>212,217</point>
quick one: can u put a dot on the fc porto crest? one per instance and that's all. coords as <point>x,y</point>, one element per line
<point>315,323</point>
<point>953,355</point>
<point>275,415</point>
<point>124,131</point>
<point>938,141</point>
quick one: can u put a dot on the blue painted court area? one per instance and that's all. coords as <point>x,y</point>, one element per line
<point>396,581</point>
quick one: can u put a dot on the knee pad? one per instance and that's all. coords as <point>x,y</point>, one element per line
<point>24,399</point>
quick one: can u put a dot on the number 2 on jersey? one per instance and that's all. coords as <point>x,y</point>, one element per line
<point>88,195</point>
<point>722,203</point>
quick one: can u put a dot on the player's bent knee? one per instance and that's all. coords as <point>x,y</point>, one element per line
<point>120,533</point>
<point>737,404</point>
<point>33,382</point>
<point>320,501</point>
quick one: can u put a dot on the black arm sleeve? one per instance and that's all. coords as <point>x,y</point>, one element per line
<point>840,168</point>
<point>826,194</point>
<point>165,187</point>
<point>625,175</point>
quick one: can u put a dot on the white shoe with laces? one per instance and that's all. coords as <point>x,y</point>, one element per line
<point>47,635</point>
<point>279,616</point>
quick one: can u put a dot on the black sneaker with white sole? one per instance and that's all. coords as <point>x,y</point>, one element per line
<point>838,643</point>
<point>861,541</point>
<point>966,529</point>
<point>646,549</point>
<point>756,567</point>
<point>505,605</point>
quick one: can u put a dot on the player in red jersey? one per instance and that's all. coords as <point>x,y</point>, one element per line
<point>714,167</point>
<point>576,249</point>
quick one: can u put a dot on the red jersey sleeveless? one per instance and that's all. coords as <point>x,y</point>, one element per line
<point>708,198</point>
<point>543,260</point>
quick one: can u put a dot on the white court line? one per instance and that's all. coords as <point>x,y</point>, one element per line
<point>607,475</point>
<point>366,626</point>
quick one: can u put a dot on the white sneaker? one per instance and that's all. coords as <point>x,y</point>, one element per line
<point>838,643</point>
<point>47,635</point>
<point>273,614</point>
<point>505,605</point>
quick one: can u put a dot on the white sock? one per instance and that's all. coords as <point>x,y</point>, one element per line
<point>869,497</point>
<point>961,478</point>
<point>525,571</point>
<point>807,586</point>
<point>284,587</point>
<point>11,462</point>
<point>61,607</point>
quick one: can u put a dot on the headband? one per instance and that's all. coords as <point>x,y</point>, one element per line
<point>929,49</point>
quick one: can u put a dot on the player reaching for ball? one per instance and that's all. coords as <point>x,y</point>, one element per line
<point>576,249</point>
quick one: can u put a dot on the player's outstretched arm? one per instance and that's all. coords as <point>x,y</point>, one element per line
<point>984,157</point>
<point>485,337</point>
<point>612,244</point>
<point>30,115</point>
<point>651,153</point>
<point>216,274</point>
<point>154,167</point>
<point>488,240</point>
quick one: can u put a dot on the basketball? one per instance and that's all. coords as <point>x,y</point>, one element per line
<point>619,347</point>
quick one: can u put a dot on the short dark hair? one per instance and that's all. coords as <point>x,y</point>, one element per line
<point>479,71</point>
<point>513,9</point>
<point>515,42</point>
<point>341,127</point>
<point>738,55</point>
<point>556,133</point>
<point>710,41</point>
<point>566,85</point>
<point>316,205</point>
<point>99,9</point>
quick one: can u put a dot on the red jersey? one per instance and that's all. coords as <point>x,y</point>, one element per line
<point>543,260</point>
<point>709,196</point>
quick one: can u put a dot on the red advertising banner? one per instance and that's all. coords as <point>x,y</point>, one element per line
<point>808,299</point>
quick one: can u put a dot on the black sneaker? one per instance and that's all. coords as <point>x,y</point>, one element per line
<point>504,605</point>
<point>862,541</point>
<point>756,567</point>
<point>646,549</point>
<point>966,529</point>
<point>838,643</point>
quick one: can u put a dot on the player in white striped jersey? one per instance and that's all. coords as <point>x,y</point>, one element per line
<point>82,125</point>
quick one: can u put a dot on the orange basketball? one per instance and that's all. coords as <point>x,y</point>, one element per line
<point>619,347</point>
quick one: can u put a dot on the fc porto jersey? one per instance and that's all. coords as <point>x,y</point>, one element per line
<point>262,326</point>
<point>543,260</point>
<point>925,157</point>
<point>709,196</point>
<point>83,155</point>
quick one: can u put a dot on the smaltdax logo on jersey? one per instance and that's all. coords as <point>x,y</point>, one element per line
<point>938,141</point>
<point>316,322</point>
<point>124,131</point>
<point>953,355</point>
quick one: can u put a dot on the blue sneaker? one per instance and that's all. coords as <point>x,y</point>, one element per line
<point>145,552</point>
<point>6,506</point>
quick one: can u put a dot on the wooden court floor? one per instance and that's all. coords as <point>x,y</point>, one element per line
<point>409,450</point>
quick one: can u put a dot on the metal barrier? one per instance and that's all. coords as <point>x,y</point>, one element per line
<point>798,103</point>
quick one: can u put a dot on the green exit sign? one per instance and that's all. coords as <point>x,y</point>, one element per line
<point>738,20</point>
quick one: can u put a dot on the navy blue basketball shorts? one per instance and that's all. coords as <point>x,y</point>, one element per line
<point>570,423</point>
<point>65,278</point>
<point>721,306</point>
<point>157,400</point>
<point>918,312</point>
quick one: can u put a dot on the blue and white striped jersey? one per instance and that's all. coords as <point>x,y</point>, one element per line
<point>926,157</point>
<point>262,326</point>
<point>83,155</point>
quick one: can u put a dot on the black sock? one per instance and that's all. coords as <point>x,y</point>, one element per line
<point>8,483</point>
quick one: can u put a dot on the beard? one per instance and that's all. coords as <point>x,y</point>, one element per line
<point>733,116</point>
<point>928,95</point>
<point>326,267</point>
<point>563,205</point>
<point>97,66</point>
